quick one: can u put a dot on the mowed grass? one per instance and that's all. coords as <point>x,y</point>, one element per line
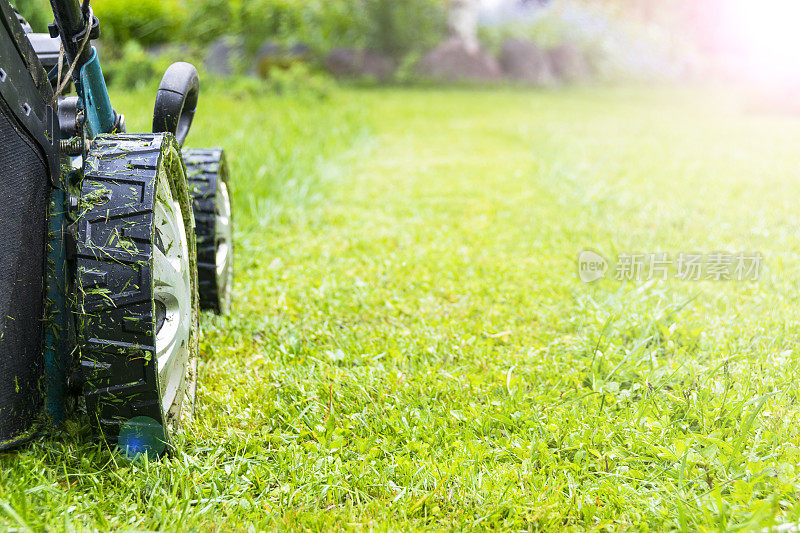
<point>411,347</point>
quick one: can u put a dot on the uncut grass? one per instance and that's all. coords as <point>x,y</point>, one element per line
<point>411,348</point>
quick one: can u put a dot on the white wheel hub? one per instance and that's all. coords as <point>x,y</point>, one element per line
<point>224,241</point>
<point>172,288</point>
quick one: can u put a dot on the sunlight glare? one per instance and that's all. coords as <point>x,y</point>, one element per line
<point>767,37</point>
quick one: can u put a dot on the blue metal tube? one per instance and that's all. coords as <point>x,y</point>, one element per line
<point>100,116</point>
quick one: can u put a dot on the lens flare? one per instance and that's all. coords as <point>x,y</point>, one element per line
<point>142,436</point>
<point>765,37</point>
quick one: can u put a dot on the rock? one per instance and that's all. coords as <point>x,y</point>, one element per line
<point>343,62</point>
<point>524,61</point>
<point>300,52</point>
<point>568,63</point>
<point>353,63</point>
<point>378,66</point>
<point>272,55</point>
<point>268,56</point>
<point>223,56</point>
<point>454,60</point>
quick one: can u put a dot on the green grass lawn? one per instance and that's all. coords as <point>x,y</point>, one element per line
<point>411,346</point>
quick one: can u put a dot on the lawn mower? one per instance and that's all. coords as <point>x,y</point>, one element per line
<point>112,242</point>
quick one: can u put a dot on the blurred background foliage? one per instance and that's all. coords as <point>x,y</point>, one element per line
<point>619,43</point>
<point>622,39</point>
<point>36,11</point>
<point>388,26</point>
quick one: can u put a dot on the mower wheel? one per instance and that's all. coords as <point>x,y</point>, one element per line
<point>207,172</point>
<point>136,291</point>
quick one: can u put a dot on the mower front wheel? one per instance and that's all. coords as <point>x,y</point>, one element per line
<point>137,299</point>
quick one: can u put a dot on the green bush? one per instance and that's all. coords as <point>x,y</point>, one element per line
<point>284,21</point>
<point>36,12</point>
<point>210,19</point>
<point>299,80</point>
<point>146,21</point>
<point>339,23</point>
<point>393,27</point>
<point>387,26</point>
<point>399,28</point>
<point>132,68</point>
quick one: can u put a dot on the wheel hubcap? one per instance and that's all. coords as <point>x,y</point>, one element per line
<point>224,239</point>
<point>173,300</point>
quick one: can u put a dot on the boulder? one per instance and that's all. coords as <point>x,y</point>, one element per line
<point>343,62</point>
<point>300,52</point>
<point>224,56</point>
<point>569,64</point>
<point>273,55</point>
<point>378,66</point>
<point>268,56</point>
<point>524,61</point>
<point>353,63</point>
<point>455,60</point>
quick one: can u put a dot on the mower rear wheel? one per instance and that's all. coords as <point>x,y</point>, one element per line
<point>137,291</point>
<point>207,172</point>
